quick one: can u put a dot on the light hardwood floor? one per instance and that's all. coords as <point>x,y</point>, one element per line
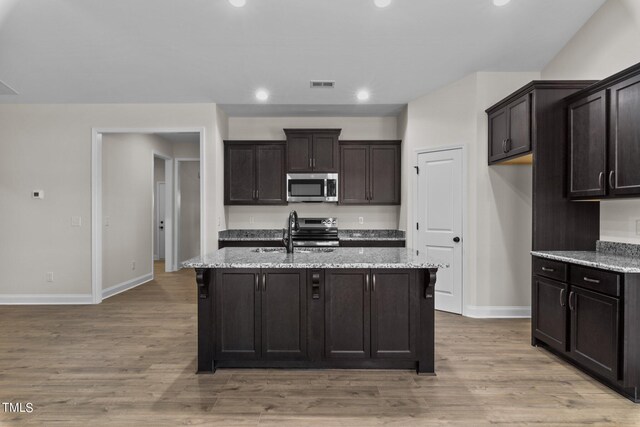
<point>131,361</point>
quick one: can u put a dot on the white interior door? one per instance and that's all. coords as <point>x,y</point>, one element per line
<point>439,221</point>
<point>160,218</point>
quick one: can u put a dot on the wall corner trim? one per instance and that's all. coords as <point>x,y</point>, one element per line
<point>498,312</point>
<point>45,299</point>
<point>125,286</point>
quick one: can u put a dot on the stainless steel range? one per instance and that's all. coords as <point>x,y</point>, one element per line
<point>316,232</point>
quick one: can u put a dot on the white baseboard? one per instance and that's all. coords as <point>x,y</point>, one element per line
<point>45,299</point>
<point>130,284</point>
<point>497,312</point>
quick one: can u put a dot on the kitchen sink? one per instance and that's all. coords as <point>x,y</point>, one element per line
<point>269,250</point>
<point>295,250</point>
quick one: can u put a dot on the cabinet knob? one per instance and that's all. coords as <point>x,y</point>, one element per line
<point>456,239</point>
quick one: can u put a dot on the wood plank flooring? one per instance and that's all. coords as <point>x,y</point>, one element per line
<point>131,361</point>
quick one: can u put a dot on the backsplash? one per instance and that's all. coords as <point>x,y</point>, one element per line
<point>272,217</point>
<point>617,248</point>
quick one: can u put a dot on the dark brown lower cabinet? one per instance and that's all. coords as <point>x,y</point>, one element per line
<point>347,308</point>
<point>315,318</point>
<point>284,314</point>
<point>594,331</point>
<point>394,311</point>
<point>261,314</point>
<point>550,322</point>
<point>237,301</point>
<point>592,320</point>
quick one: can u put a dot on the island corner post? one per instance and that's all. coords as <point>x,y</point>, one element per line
<point>406,342</point>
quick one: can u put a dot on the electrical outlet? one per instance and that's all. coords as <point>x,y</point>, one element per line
<point>50,276</point>
<point>133,265</point>
<point>76,221</point>
<point>361,220</point>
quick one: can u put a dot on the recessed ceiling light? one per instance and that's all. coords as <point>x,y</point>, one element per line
<point>238,3</point>
<point>363,95</point>
<point>500,2</point>
<point>382,3</point>
<point>262,95</point>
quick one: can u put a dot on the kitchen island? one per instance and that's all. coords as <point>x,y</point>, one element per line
<point>315,308</point>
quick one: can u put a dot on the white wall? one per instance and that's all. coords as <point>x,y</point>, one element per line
<point>609,42</point>
<point>188,200</point>
<point>127,205</point>
<point>497,237</point>
<point>48,147</point>
<point>271,128</point>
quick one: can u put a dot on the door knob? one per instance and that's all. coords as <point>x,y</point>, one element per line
<point>456,239</point>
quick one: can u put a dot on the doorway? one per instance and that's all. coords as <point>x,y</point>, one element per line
<point>439,217</point>
<point>118,228</point>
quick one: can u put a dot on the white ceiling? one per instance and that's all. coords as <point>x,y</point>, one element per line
<point>108,51</point>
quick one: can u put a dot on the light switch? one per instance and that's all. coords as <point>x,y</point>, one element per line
<point>76,221</point>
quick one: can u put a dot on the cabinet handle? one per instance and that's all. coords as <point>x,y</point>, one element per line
<point>257,194</point>
<point>310,164</point>
<point>587,279</point>
<point>611,183</point>
<point>504,145</point>
<point>264,282</point>
<point>562,292</point>
<point>314,163</point>
<point>601,180</point>
<point>571,294</point>
<point>366,283</point>
<point>373,288</point>
<point>257,285</point>
<point>550,270</point>
<point>508,144</point>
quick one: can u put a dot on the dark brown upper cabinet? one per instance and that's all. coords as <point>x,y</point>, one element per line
<point>624,142</point>
<point>369,173</point>
<point>254,173</point>
<point>312,150</point>
<point>510,129</point>
<point>588,146</point>
<point>604,138</point>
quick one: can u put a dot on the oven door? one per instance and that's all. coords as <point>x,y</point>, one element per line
<point>306,189</point>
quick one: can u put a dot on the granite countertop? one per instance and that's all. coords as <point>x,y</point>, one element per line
<point>338,258</point>
<point>613,256</point>
<point>271,235</point>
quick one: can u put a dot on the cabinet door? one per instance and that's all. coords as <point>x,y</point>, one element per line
<point>347,314</point>
<point>299,149</point>
<point>384,174</point>
<point>550,312</point>
<point>354,175</point>
<point>587,146</point>
<point>594,331</point>
<point>284,314</point>
<point>270,174</point>
<point>237,308</point>
<point>240,178</point>
<point>519,119</point>
<point>498,135</point>
<point>394,311</point>
<point>325,153</point>
<point>624,143</point>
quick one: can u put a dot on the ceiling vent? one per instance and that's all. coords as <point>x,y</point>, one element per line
<point>6,90</point>
<point>323,84</point>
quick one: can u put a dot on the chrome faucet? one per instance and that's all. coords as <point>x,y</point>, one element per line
<point>292,225</point>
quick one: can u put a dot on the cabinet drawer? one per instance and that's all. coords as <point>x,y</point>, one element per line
<point>597,280</point>
<point>549,268</point>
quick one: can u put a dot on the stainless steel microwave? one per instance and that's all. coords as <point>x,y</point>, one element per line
<point>312,187</point>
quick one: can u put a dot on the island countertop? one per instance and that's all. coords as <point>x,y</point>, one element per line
<point>337,258</point>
